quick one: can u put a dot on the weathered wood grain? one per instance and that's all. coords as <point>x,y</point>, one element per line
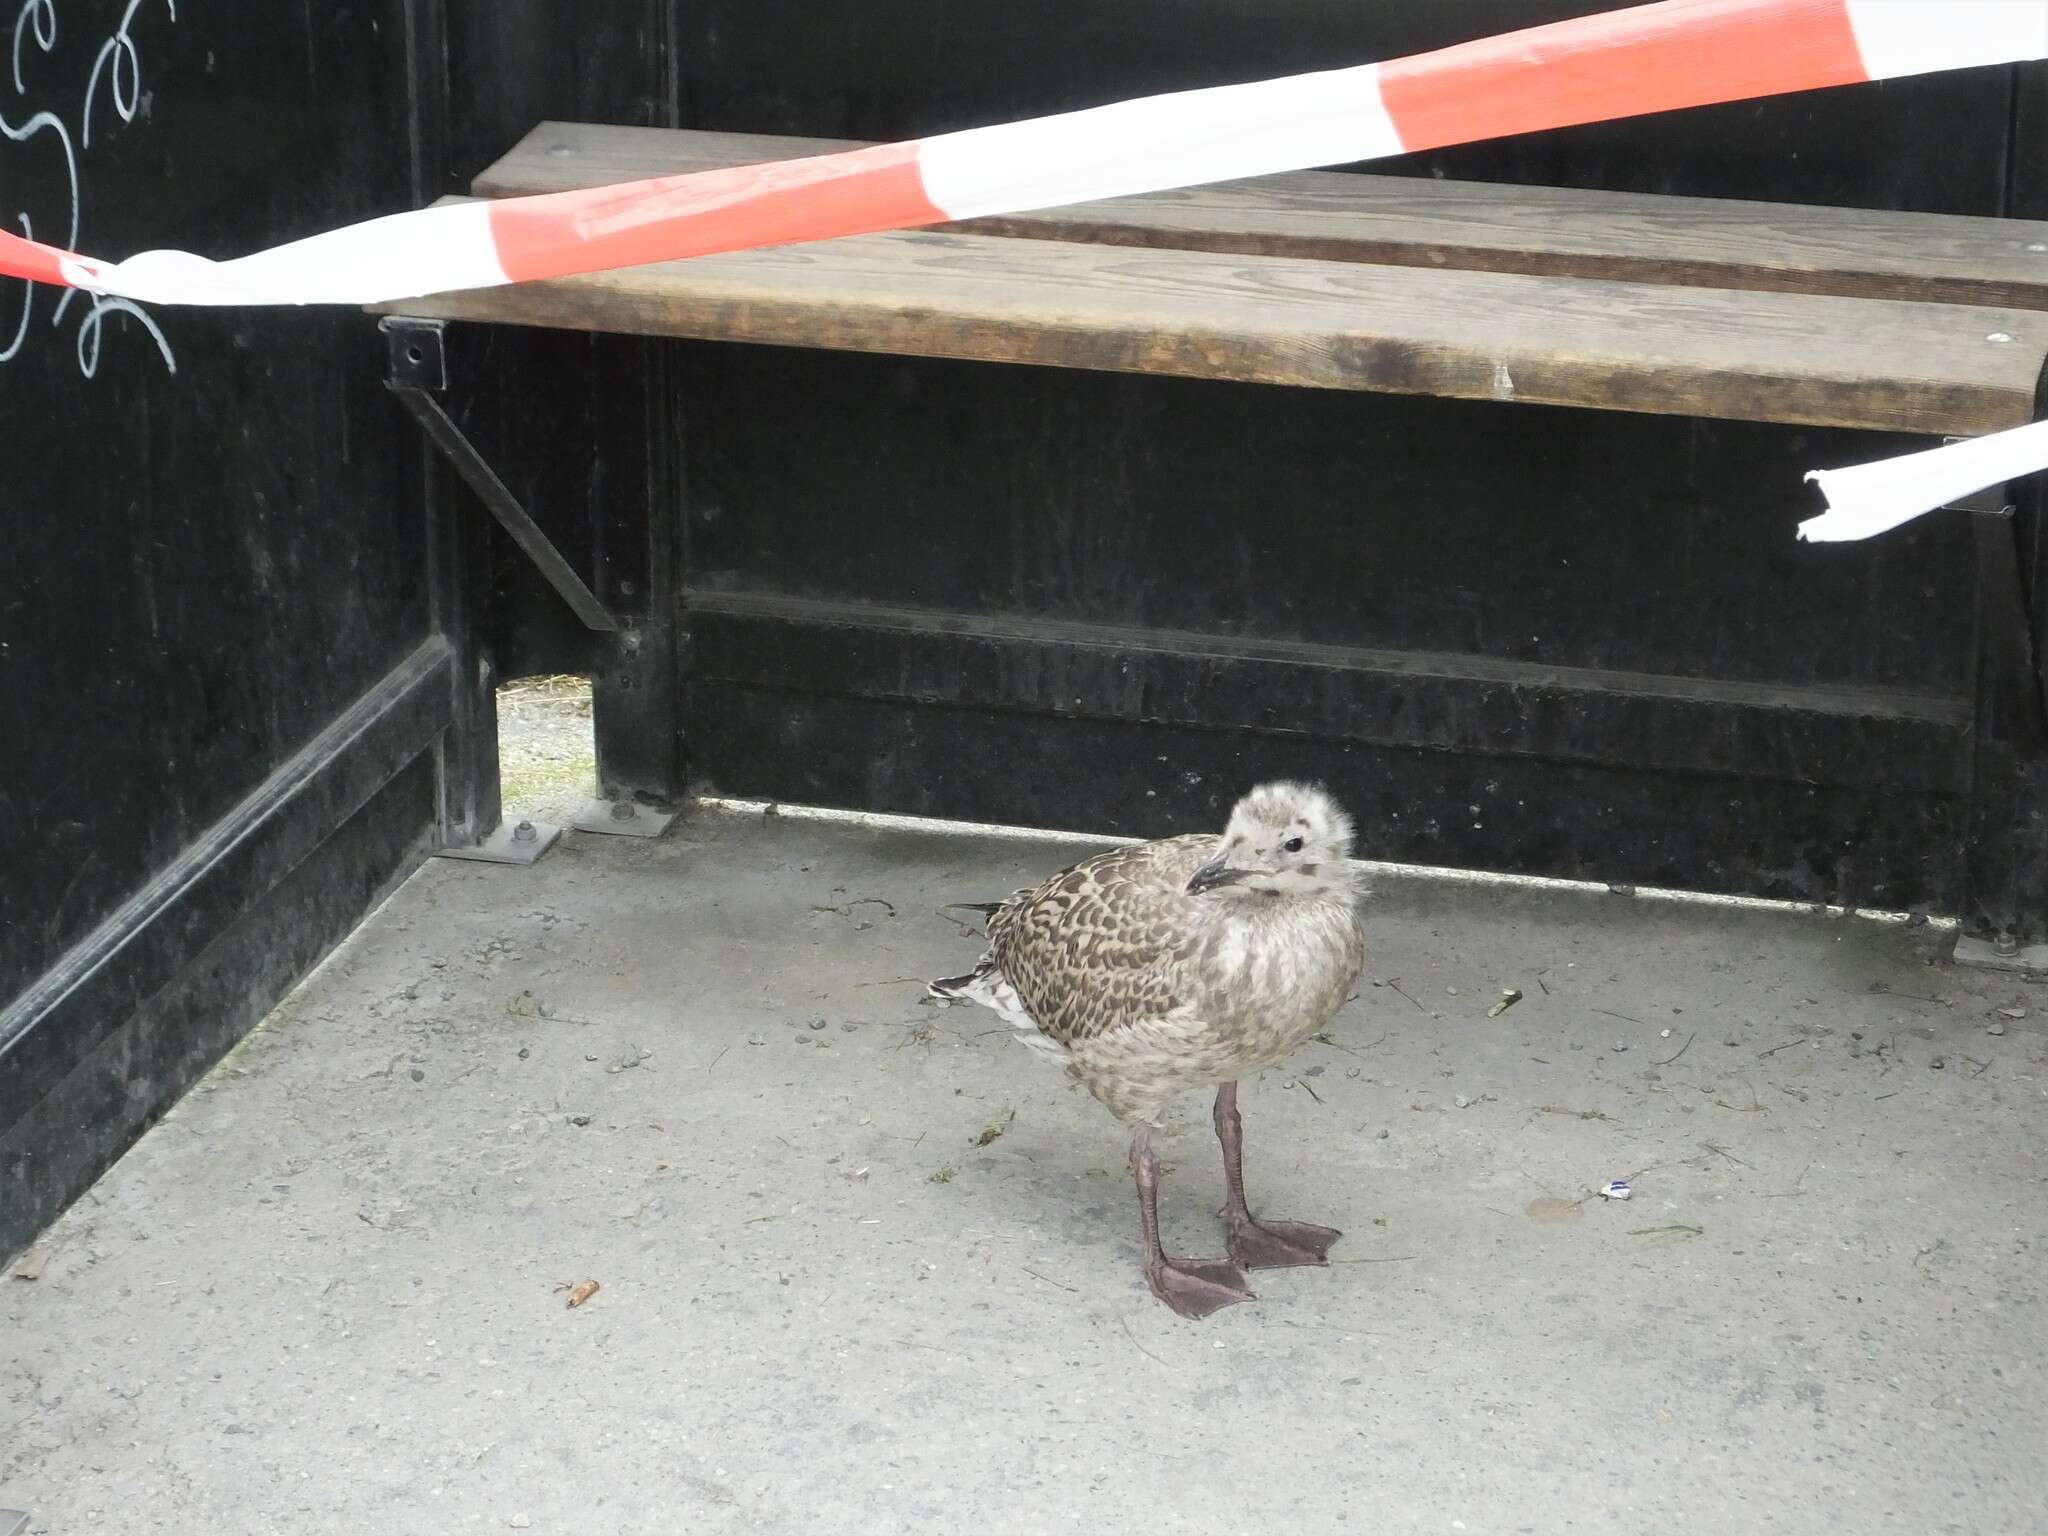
<point>1815,360</point>
<point>1474,226</point>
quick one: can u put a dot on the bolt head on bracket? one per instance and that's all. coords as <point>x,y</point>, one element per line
<point>418,356</point>
<point>2003,953</point>
<point>520,842</point>
<point>623,818</point>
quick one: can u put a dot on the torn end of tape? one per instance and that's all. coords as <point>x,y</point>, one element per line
<point>1856,519</point>
<point>1853,523</point>
<point>1865,500</point>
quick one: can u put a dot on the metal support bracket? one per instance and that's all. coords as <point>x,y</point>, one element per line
<point>622,818</point>
<point>2008,618</point>
<point>1992,501</point>
<point>2003,953</point>
<point>522,843</point>
<point>418,374</point>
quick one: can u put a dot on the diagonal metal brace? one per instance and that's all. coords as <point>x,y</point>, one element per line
<point>418,372</point>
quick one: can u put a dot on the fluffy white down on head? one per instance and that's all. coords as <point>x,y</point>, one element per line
<point>1288,839</point>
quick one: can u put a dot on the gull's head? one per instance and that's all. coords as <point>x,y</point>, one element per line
<point>1284,839</point>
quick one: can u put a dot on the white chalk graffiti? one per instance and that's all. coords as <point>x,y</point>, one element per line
<point>44,14</point>
<point>119,49</point>
<point>120,64</point>
<point>53,125</point>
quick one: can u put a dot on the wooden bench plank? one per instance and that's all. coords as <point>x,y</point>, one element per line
<point>1332,215</point>
<point>1822,361</point>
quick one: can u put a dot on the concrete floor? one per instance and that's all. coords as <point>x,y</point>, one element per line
<point>327,1294</point>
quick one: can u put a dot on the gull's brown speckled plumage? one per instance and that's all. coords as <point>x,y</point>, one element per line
<point>1184,963</point>
<point>1097,947</point>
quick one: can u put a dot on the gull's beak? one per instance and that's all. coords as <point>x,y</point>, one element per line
<point>1212,874</point>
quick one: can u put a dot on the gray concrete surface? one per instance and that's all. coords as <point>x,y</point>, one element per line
<point>327,1293</point>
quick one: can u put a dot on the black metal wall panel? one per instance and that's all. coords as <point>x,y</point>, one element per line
<point>1553,642</point>
<point>1566,538</point>
<point>512,63</point>
<point>575,421</point>
<point>1438,808</point>
<point>216,564</point>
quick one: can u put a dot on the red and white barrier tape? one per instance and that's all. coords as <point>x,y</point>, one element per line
<point>1651,58</point>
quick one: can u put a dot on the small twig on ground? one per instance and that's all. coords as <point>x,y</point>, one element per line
<point>1884,989</point>
<point>966,929</point>
<point>845,908</point>
<point>1755,1106</point>
<point>1398,1258</point>
<point>1724,1152</point>
<point>1326,1038</point>
<point>719,1057</point>
<point>1395,983</point>
<point>1577,1114</point>
<point>1613,1015</point>
<point>1675,1229</point>
<point>388,1068</point>
<point>1795,1190</point>
<point>525,1006</point>
<point>1679,1052</point>
<point>1785,1047</point>
<point>1302,1083</point>
<point>1034,1274</point>
<point>1134,1341</point>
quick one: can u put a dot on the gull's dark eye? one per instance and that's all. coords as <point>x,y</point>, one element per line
<point>1292,845</point>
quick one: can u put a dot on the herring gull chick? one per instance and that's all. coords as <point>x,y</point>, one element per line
<point>1176,964</point>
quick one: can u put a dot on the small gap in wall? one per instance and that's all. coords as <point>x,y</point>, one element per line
<point>547,748</point>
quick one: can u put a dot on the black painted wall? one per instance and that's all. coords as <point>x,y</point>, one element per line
<point>214,549</point>
<point>202,564</point>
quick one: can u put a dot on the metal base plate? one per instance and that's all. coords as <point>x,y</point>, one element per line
<point>13,1522</point>
<point>623,818</point>
<point>520,843</point>
<point>2032,960</point>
